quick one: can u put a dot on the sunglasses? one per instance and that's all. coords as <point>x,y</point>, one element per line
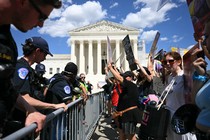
<point>82,77</point>
<point>42,16</point>
<point>165,62</point>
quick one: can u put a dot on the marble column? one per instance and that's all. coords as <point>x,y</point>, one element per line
<point>81,57</point>
<point>135,49</point>
<point>73,55</point>
<point>99,57</point>
<point>118,53</point>
<point>90,57</point>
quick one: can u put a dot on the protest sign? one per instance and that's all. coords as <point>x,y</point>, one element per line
<point>129,53</point>
<point>200,12</point>
<point>154,45</point>
<point>188,71</point>
<point>109,50</point>
<point>162,3</point>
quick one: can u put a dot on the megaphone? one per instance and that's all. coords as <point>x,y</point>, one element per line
<point>184,119</point>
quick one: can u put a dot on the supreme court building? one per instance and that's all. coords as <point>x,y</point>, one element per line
<point>89,49</point>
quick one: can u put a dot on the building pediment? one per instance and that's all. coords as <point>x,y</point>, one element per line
<point>104,26</point>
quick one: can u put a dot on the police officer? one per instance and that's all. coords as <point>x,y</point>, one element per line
<point>35,50</point>
<point>40,82</point>
<point>11,12</point>
<point>8,58</point>
<point>61,89</point>
<point>64,85</point>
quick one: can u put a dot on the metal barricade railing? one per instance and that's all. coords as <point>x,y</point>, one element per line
<point>77,123</point>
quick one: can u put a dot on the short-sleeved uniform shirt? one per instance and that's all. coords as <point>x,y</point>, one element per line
<point>22,81</point>
<point>8,48</point>
<point>23,77</point>
<point>60,88</point>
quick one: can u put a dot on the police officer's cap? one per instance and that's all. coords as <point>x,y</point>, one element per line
<point>40,68</point>
<point>39,43</point>
<point>71,68</point>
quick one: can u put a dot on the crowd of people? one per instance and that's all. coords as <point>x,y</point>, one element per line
<point>130,93</point>
<point>25,92</point>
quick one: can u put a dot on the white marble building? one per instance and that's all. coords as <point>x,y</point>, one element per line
<point>89,50</point>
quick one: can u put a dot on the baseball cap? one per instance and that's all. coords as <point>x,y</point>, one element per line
<point>39,43</point>
<point>146,69</point>
<point>71,68</point>
<point>128,74</point>
<point>40,68</point>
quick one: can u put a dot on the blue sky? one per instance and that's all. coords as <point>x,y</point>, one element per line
<point>172,21</point>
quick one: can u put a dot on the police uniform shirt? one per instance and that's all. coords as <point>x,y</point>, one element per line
<point>8,58</point>
<point>21,79</point>
<point>61,89</point>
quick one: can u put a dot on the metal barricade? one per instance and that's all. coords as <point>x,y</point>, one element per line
<point>77,123</point>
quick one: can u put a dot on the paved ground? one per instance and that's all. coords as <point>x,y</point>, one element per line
<point>105,130</point>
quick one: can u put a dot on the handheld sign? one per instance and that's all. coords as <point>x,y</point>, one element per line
<point>129,53</point>
<point>109,54</point>
<point>154,48</point>
<point>199,12</point>
<point>109,50</point>
<point>188,72</point>
<point>162,3</point>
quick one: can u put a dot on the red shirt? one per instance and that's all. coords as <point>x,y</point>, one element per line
<point>115,94</point>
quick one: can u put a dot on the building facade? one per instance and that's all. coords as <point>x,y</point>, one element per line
<point>89,49</point>
<point>89,46</point>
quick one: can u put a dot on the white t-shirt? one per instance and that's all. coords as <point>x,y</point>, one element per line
<point>174,100</point>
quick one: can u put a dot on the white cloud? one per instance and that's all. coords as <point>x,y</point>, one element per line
<point>147,16</point>
<point>176,38</point>
<point>145,3</point>
<point>70,17</point>
<point>148,36</point>
<point>163,38</point>
<point>74,16</point>
<point>113,17</point>
<point>182,1</point>
<point>114,5</point>
<point>179,18</point>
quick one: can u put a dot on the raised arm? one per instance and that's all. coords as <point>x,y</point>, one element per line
<point>115,73</point>
<point>147,76</point>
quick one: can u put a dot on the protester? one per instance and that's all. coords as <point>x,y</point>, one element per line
<point>128,100</point>
<point>176,97</point>
<point>12,13</point>
<point>35,50</point>
<point>117,90</point>
<point>201,83</point>
<point>108,88</point>
<point>144,80</point>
